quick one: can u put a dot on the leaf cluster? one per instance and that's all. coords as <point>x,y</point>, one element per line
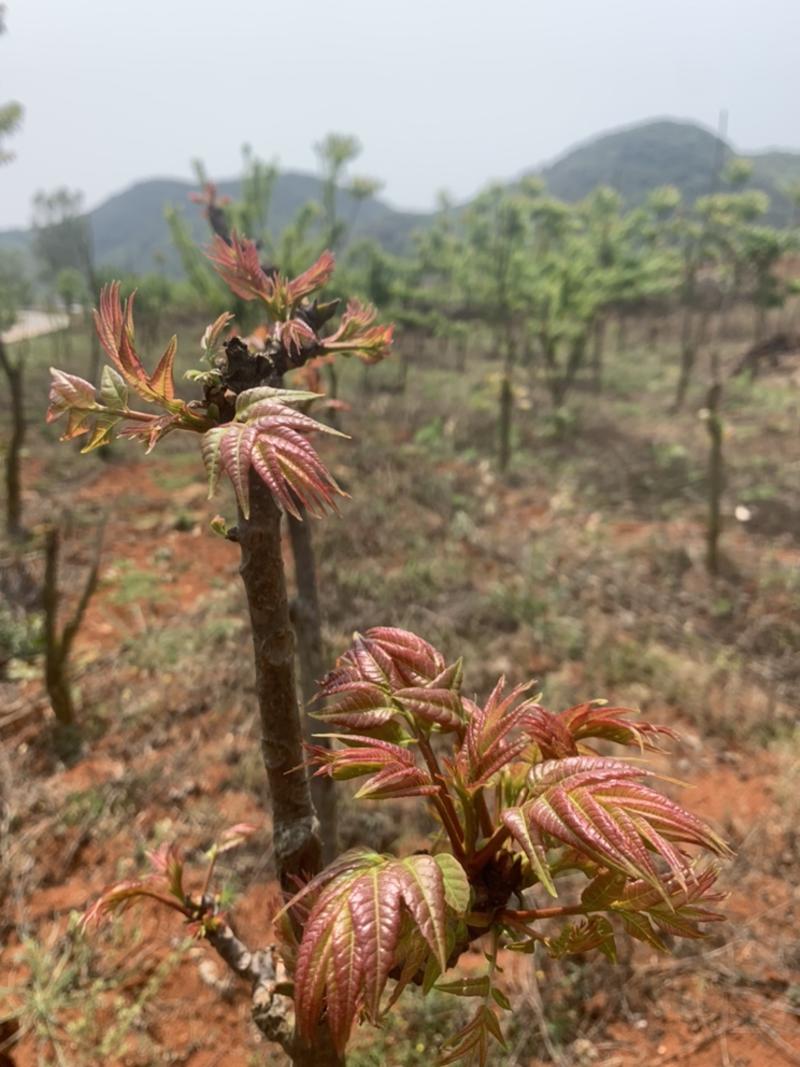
<point>526,804</point>
<point>245,419</point>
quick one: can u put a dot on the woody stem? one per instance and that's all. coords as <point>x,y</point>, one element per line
<point>442,799</point>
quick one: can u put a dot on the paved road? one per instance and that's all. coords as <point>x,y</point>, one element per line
<point>34,324</point>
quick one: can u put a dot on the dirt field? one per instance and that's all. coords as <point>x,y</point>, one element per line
<point>582,568</point>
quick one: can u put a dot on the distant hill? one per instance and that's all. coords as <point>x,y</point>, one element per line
<point>131,234</point>
<point>782,168</point>
<point>639,158</point>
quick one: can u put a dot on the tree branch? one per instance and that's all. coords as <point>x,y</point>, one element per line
<point>273,1011</point>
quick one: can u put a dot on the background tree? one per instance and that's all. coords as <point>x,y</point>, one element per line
<point>762,249</point>
<point>334,153</point>
<point>62,239</point>
<point>15,293</point>
<point>564,283</point>
<point>58,638</point>
<point>496,230</point>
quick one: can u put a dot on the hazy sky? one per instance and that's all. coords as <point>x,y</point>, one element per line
<point>442,93</point>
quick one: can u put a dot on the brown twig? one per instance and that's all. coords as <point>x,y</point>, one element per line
<point>272,1004</point>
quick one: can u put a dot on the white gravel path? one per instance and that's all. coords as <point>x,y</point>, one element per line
<point>32,323</point>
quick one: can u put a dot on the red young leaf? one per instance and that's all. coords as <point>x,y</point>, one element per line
<point>68,392</point>
<point>357,706</point>
<point>317,275</point>
<point>162,378</point>
<point>393,770</point>
<point>529,840</point>
<point>273,441</point>
<point>210,341</point>
<point>295,335</point>
<point>114,324</point>
<point>350,940</point>
<point>595,719</point>
<point>357,337</point>
<point>415,660</point>
<point>597,806</point>
<point>488,746</point>
<point>441,707</point>
<point>239,266</point>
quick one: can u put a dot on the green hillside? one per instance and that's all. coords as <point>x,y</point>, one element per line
<point>130,232</point>
<point>639,158</point>
<point>782,168</point>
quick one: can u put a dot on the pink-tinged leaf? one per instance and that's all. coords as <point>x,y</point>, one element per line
<point>239,266</point>
<point>313,965</point>
<point>586,770</point>
<point>395,770</point>
<point>212,335</point>
<point>354,861</point>
<point>356,336</point>
<point>503,714</point>
<point>68,392</point>
<point>344,978</point>
<point>358,706</point>
<point>439,707</point>
<point>415,660</point>
<point>516,822</point>
<point>488,746</point>
<point>345,959</point>
<point>167,863</point>
<point>288,463</point>
<point>296,336</point>
<point>395,782</point>
<point>273,441</point>
<point>210,448</point>
<point>246,405</point>
<point>683,911</point>
<point>114,325</point>
<point>235,453</point>
<point>595,719</point>
<point>120,896</point>
<point>235,836</point>
<point>76,397</point>
<point>597,806</point>
<point>696,889</point>
<point>374,903</point>
<point>151,432</point>
<point>317,276</point>
<point>423,893</point>
<point>162,381</point>
<point>500,756</point>
<point>450,678</point>
<point>368,661</point>
<point>550,733</point>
